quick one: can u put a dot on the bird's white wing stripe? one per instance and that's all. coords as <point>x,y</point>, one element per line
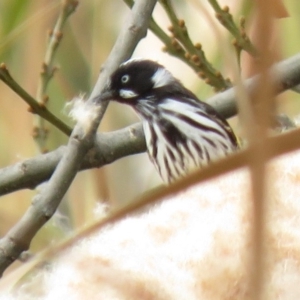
<point>148,138</point>
<point>189,111</point>
<point>161,150</point>
<point>190,131</point>
<point>198,136</point>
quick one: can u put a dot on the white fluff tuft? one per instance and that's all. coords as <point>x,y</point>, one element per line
<point>101,210</point>
<point>82,112</point>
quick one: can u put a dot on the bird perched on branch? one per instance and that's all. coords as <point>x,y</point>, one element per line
<point>181,131</point>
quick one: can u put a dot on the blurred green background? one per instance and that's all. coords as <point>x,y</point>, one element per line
<point>88,38</point>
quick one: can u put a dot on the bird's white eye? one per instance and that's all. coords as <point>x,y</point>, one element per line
<point>125,78</point>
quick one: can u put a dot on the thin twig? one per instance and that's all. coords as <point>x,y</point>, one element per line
<point>34,106</point>
<point>48,69</point>
<point>180,37</point>
<point>241,41</point>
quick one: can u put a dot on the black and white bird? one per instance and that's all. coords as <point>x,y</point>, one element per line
<point>181,131</point>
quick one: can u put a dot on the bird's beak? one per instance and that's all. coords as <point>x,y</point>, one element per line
<point>106,95</point>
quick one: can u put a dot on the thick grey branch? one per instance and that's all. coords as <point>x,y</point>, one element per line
<point>108,148</point>
<point>287,75</point>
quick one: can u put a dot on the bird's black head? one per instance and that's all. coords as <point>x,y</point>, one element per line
<point>136,79</point>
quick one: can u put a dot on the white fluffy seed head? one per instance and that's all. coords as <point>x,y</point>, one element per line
<point>82,112</point>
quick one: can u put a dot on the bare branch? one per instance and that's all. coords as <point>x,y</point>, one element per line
<point>108,148</point>
<point>287,74</point>
<point>241,39</point>
<point>180,38</point>
<point>34,106</point>
<point>48,68</point>
<point>43,206</point>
